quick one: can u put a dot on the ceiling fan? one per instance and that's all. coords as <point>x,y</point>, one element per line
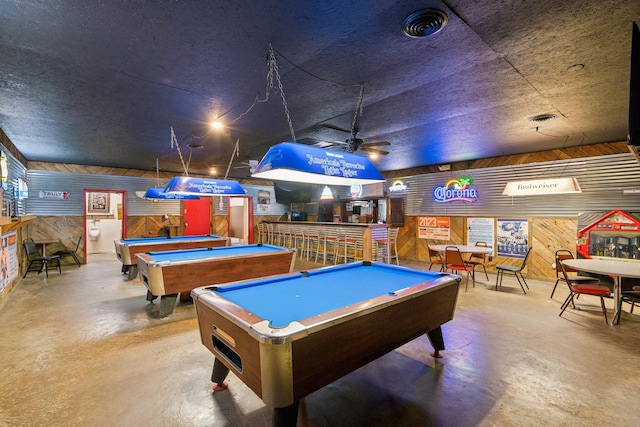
<point>353,143</point>
<point>251,164</point>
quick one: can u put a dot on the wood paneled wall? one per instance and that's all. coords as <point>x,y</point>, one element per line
<point>546,235</point>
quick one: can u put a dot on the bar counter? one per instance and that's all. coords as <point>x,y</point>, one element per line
<point>368,233</point>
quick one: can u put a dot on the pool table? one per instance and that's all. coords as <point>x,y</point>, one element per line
<point>289,335</point>
<point>168,273</point>
<point>126,249</point>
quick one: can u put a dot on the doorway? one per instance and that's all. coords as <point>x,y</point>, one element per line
<point>241,220</point>
<point>104,222</point>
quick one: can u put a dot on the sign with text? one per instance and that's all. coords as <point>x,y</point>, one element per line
<point>542,186</point>
<point>480,230</point>
<point>434,228</point>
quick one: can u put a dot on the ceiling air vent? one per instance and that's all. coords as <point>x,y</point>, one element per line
<point>542,117</point>
<point>423,23</point>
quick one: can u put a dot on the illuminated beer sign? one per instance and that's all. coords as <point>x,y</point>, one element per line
<point>456,190</point>
<point>398,186</point>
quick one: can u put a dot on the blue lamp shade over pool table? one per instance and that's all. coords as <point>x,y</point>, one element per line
<point>184,185</point>
<point>289,161</point>
<point>155,193</point>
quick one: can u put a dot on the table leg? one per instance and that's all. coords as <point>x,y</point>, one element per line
<point>437,341</point>
<point>617,298</point>
<point>287,416</point>
<point>167,302</point>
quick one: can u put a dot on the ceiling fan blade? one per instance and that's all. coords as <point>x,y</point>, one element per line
<point>375,143</point>
<point>330,126</point>
<point>374,150</point>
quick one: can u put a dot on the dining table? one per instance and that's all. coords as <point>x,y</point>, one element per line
<point>617,268</point>
<point>464,249</point>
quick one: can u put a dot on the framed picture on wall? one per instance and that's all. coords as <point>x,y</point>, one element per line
<point>99,203</point>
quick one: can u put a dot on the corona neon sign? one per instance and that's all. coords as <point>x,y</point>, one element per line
<point>456,190</point>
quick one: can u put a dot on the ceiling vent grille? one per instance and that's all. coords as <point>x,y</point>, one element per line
<point>423,23</point>
<point>542,117</point>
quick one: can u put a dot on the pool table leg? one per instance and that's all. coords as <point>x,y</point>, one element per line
<point>167,302</point>
<point>287,416</point>
<point>150,296</point>
<point>132,273</point>
<point>437,341</point>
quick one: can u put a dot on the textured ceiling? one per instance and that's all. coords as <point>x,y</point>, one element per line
<point>103,82</point>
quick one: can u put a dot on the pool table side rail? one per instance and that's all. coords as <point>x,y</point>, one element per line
<point>280,370</point>
<point>184,277</point>
<point>126,253</point>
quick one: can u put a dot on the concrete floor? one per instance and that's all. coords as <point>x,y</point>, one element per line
<point>85,349</point>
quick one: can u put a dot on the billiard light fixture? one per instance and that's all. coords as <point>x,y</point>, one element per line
<point>156,194</point>
<point>290,161</point>
<point>203,187</point>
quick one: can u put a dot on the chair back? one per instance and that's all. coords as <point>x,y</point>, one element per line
<point>393,234</point>
<point>433,253</point>
<point>561,255</point>
<point>479,255</point>
<point>526,257</point>
<point>78,244</point>
<point>30,248</point>
<point>453,256</point>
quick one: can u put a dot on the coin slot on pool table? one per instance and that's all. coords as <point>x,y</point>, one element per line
<point>222,345</point>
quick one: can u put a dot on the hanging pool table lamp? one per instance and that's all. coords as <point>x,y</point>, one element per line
<point>290,161</point>
<point>203,187</point>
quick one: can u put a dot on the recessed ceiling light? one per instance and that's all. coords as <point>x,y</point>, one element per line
<point>424,22</point>
<point>542,117</point>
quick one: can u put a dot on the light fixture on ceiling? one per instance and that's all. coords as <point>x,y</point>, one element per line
<point>155,194</point>
<point>289,161</point>
<point>327,194</point>
<point>444,168</point>
<point>424,22</point>
<point>189,186</point>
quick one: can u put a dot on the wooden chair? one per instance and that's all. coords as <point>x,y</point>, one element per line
<point>584,287</point>
<point>478,258</point>
<point>561,255</point>
<point>455,263</point>
<point>35,257</point>
<point>389,245</point>
<point>70,252</point>
<point>435,258</point>
<point>516,270</point>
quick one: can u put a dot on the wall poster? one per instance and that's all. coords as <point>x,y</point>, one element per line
<point>264,200</point>
<point>513,237</point>
<point>481,230</point>
<point>434,228</point>
<point>8,259</point>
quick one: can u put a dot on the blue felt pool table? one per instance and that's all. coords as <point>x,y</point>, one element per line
<point>277,333</point>
<point>126,249</point>
<point>168,273</point>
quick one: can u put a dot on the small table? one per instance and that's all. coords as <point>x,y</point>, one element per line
<point>610,267</point>
<point>43,243</point>
<point>278,334</point>
<point>166,274</point>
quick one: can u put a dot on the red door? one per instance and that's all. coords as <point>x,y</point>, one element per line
<point>197,216</point>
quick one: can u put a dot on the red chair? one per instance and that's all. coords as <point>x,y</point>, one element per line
<point>478,258</point>
<point>455,263</point>
<point>561,255</point>
<point>584,287</point>
<point>435,258</point>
